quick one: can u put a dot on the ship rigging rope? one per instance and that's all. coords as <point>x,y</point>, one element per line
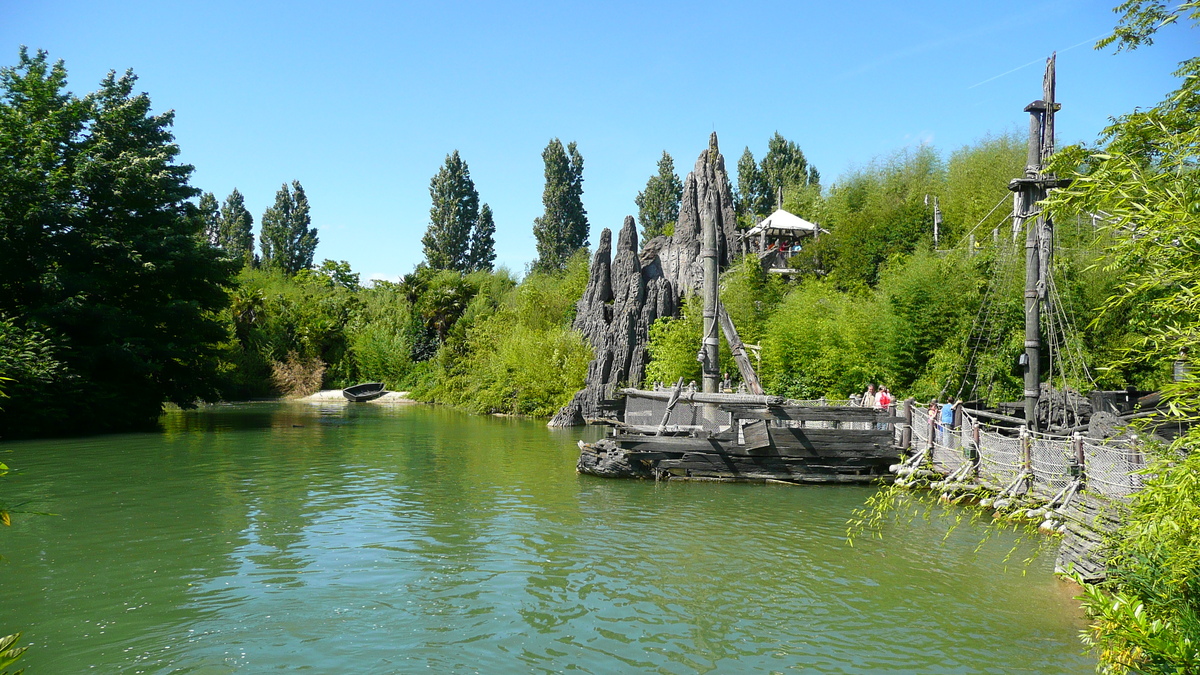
<point>967,236</point>
<point>985,306</point>
<point>1065,357</point>
<point>981,336</point>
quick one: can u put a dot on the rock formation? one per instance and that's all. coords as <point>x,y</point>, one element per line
<point>624,296</point>
<point>628,291</point>
<point>706,188</point>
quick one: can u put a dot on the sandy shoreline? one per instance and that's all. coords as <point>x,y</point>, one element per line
<point>335,395</point>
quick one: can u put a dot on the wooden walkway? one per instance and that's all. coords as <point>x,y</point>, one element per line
<point>1074,486</point>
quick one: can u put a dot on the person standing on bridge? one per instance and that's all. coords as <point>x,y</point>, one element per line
<point>947,420</point>
<point>884,399</point>
<point>868,399</point>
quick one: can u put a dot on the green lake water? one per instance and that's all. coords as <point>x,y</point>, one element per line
<point>270,537</point>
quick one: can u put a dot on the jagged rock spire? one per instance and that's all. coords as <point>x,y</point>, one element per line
<point>628,292</point>
<point>706,188</point>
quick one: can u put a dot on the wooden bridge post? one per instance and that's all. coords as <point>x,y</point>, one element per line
<point>933,422</point>
<point>977,455</point>
<point>958,415</point>
<point>1026,450</point>
<point>906,432</point>
<point>1077,446</point>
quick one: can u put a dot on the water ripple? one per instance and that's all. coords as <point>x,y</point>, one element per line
<point>374,540</point>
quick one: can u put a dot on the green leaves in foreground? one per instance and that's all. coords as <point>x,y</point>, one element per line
<point>1143,187</point>
<point>10,654</point>
<point>1128,638</point>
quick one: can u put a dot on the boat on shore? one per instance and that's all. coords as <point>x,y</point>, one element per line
<point>364,392</point>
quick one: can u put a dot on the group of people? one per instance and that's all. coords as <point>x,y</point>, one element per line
<point>943,413</point>
<point>876,399</point>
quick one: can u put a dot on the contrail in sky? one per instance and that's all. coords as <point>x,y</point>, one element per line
<point>1007,72</point>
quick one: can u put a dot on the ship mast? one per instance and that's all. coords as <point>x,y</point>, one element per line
<point>1039,230</point>
<point>710,349</point>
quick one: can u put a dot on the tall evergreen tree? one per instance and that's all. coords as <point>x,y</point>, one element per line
<point>452,217</point>
<point>563,228</point>
<point>658,205</point>
<point>237,229</point>
<point>483,241</point>
<point>210,220</point>
<point>752,192</point>
<point>785,167</point>
<point>576,214</point>
<point>287,240</point>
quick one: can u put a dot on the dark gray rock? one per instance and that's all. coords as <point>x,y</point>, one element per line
<point>628,291</point>
<point>706,188</point>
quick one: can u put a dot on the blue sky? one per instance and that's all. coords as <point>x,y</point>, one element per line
<point>362,102</point>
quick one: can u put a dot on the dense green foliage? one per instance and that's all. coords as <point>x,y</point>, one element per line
<point>1143,177</point>
<point>877,303</point>
<point>478,340</point>
<point>288,240</point>
<point>563,228</point>
<point>512,349</point>
<point>102,260</point>
<point>658,204</point>
<point>885,210</point>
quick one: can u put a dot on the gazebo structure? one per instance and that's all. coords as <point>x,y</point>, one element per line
<point>777,237</point>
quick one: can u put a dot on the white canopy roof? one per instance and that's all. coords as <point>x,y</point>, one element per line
<point>782,223</point>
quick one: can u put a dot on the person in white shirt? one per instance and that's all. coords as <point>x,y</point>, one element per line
<point>868,399</point>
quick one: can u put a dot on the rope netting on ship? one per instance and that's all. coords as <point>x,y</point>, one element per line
<point>995,339</point>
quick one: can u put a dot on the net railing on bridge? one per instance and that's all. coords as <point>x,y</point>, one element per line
<point>1003,455</point>
<point>1109,467</point>
<point>644,411</point>
<point>648,409</point>
<point>1048,461</point>
<point>1050,458</point>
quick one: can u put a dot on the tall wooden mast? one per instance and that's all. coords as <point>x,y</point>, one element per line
<point>710,361</point>
<point>1039,230</point>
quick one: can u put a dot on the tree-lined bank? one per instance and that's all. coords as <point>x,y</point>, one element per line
<point>123,287</point>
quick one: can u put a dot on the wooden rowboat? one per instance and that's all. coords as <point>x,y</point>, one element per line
<point>364,392</point>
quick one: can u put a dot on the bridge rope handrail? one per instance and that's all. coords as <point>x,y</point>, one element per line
<point>1052,461</point>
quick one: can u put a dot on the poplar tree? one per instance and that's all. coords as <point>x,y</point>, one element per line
<point>658,205</point>
<point>483,242</point>
<point>751,192</point>
<point>210,220</point>
<point>287,240</point>
<point>563,228</point>
<point>236,229</point>
<point>452,217</point>
<point>785,167</point>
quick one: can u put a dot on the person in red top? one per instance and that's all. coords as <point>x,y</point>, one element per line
<point>884,399</point>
